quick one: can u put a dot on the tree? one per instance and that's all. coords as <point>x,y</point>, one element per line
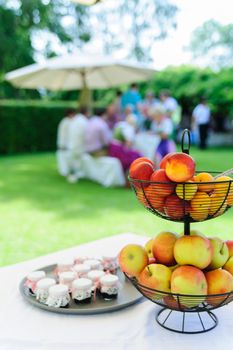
<point>23,23</point>
<point>214,42</point>
<point>134,26</point>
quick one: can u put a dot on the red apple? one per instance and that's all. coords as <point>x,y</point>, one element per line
<point>180,167</point>
<point>163,248</point>
<point>142,159</point>
<point>141,171</point>
<point>219,282</point>
<point>229,244</point>
<point>162,164</point>
<point>161,189</point>
<point>191,281</point>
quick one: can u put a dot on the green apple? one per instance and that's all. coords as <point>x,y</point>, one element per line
<point>229,265</point>
<point>148,247</point>
<point>220,253</point>
<point>193,250</point>
<point>132,259</point>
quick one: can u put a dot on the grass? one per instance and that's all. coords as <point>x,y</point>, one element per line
<point>41,212</point>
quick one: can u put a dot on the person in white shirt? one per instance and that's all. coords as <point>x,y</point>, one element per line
<point>172,109</point>
<point>201,120</point>
<point>77,143</point>
<point>63,137</point>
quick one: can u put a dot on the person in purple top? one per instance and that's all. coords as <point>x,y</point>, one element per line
<point>98,135</point>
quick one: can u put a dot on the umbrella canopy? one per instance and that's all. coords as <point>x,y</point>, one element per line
<point>74,72</point>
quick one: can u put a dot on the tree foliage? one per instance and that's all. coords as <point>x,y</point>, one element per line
<point>135,25</point>
<point>214,42</point>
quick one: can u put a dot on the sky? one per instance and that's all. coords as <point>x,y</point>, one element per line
<point>192,14</point>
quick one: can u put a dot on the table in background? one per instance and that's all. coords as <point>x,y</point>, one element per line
<point>24,327</point>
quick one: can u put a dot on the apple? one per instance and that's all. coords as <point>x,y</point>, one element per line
<point>220,253</point>
<point>229,265</point>
<point>187,190</point>
<point>180,167</point>
<point>132,259</point>
<point>161,189</point>
<point>163,162</point>
<point>193,250</point>
<point>148,248</point>
<point>172,303</point>
<point>191,281</point>
<point>142,159</point>
<point>175,207</point>
<point>229,244</point>
<point>204,177</point>
<point>219,282</point>
<point>163,248</point>
<point>155,276</point>
<point>141,171</point>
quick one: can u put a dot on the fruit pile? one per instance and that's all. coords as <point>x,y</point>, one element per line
<point>192,265</point>
<point>174,191</point>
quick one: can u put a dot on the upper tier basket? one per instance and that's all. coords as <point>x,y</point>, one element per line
<point>201,200</point>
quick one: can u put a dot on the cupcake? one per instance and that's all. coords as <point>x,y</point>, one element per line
<point>32,279</point>
<point>67,278</point>
<point>109,263</point>
<point>81,270</point>
<point>42,289</point>
<point>81,290</point>
<point>58,296</point>
<point>109,286</point>
<point>94,264</point>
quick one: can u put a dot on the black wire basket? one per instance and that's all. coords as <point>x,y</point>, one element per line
<point>192,205</point>
<point>182,204</point>
<point>200,305</point>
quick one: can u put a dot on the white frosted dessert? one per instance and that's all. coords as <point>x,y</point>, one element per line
<point>109,262</point>
<point>58,296</point>
<point>94,264</point>
<point>64,265</point>
<point>81,270</point>
<point>32,279</point>
<point>42,289</point>
<point>109,286</point>
<point>67,278</point>
<point>81,290</point>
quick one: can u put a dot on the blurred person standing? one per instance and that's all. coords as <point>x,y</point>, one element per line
<point>172,108</point>
<point>111,116</point>
<point>163,127</point>
<point>201,119</point>
<point>131,97</point>
<point>98,135</point>
<point>77,144</point>
<point>63,137</point>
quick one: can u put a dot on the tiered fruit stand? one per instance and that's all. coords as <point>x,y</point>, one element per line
<point>182,305</point>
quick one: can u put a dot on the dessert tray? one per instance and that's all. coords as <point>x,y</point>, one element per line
<point>127,296</point>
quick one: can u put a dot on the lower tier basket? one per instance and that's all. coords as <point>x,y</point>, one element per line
<point>183,313</point>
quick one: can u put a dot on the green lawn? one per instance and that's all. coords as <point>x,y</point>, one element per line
<point>41,212</point>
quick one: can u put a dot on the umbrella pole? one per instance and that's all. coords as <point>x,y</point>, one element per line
<point>85,98</point>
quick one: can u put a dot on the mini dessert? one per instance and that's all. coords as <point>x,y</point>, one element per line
<point>81,270</point>
<point>94,276</point>
<point>58,296</point>
<point>67,278</point>
<point>109,263</point>
<point>94,264</point>
<point>64,265</point>
<point>109,286</point>
<point>42,289</point>
<point>81,291</point>
<point>32,279</point>
<point>80,260</point>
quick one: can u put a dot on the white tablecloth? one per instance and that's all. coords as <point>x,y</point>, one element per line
<point>24,327</point>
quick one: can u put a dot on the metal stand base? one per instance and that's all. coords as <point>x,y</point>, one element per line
<point>186,322</point>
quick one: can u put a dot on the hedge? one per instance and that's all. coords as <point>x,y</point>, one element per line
<point>29,126</point>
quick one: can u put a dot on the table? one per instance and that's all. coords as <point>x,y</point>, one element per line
<point>24,327</point>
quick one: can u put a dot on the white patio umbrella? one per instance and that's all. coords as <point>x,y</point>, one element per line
<point>79,72</point>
